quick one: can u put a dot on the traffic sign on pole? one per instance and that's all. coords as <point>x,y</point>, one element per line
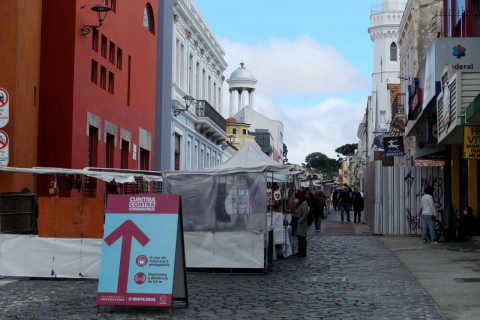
<point>4,141</point>
<point>4,107</point>
<point>143,254</point>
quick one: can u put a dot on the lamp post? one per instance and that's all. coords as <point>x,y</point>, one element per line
<point>188,102</point>
<point>230,137</point>
<point>99,9</point>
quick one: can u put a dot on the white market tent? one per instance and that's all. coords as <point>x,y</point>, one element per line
<point>217,236</point>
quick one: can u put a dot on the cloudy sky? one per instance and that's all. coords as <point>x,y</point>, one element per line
<point>313,61</point>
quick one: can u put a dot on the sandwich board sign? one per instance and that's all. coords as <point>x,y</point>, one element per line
<point>3,149</point>
<point>143,253</point>
<point>4,107</point>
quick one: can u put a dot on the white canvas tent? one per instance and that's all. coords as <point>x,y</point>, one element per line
<point>217,233</point>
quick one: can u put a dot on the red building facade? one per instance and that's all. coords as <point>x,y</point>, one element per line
<point>461,18</point>
<point>97,106</point>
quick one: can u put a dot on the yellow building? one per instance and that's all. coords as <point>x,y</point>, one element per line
<point>241,133</point>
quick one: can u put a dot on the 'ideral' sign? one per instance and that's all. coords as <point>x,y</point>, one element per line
<point>471,142</point>
<point>142,244</point>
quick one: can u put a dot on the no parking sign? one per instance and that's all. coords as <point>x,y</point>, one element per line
<point>3,149</point>
<point>4,107</point>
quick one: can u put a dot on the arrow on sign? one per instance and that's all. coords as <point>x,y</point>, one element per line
<point>127,230</point>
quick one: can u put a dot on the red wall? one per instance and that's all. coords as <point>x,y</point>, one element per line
<point>69,93</point>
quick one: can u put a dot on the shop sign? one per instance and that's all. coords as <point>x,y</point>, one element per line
<point>4,149</point>
<point>416,100</point>
<point>471,142</point>
<point>4,107</point>
<point>393,147</point>
<point>143,254</point>
<point>378,141</point>
<point>425,150</point>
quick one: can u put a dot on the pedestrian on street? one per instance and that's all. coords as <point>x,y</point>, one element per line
<point>318,204</point>
<point>300,229</point>
<point>335,200</point>
<point>357,206</point>
<point>468,225</point>
<point>345,203</point>
<point>428,212</point>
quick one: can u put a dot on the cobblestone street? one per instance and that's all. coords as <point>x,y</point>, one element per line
<point>376,286</point>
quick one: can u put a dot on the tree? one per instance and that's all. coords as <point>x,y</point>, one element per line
<point>321,164</point>
<point>347,149</point>
<point>285,152</point>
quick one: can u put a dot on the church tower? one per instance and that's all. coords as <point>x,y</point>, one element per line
<point>384,22</point>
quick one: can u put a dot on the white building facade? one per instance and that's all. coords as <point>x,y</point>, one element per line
<point>198,133</point>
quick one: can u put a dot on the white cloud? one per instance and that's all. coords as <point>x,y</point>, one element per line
<point>305,69</point>
<point>302,66</point>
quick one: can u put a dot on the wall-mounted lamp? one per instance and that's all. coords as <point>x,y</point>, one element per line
<point>230,137</point>
<point>99,9</point>
<point>188,102</point>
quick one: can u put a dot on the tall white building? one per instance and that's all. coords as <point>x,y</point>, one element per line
<point>384,22</point>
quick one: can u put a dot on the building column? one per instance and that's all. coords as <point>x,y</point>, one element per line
<point>251,98</point>
<point>239,105</point>
<point>232,102</point>
<point>243,99</point>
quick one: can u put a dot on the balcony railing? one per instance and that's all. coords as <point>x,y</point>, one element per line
<point>398,105</point>
<point>389,7</point>
<point>204,109</point>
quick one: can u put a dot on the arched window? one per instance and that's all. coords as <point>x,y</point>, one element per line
<point>389,19</point>
<point>148,18</point>
<point>394,20</point>
<point>393,52</point>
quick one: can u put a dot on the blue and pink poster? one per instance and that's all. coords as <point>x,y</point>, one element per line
<point>143,240</point>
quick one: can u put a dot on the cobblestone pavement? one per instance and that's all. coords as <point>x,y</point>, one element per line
<point>376,286</point>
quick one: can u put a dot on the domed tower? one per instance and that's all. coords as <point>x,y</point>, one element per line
<point>241,81</point>
<point>385,19</point>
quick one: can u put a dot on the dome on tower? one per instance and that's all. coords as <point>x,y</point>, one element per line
<point>241,73</point>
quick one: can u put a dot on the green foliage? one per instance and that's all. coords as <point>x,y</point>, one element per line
<point>285,152</point>
<point>321,164</point>
<point>347,149</point>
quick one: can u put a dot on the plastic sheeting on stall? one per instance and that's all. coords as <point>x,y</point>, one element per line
<point>33,256</point>
<point>233,204</point>
<point>392,197</point>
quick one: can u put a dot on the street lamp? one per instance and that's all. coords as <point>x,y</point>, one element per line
<point>99,9</point>
<point>230,137</point>
<point>188,102</point>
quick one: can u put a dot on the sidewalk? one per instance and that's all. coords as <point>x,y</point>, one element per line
<point>448,272</point>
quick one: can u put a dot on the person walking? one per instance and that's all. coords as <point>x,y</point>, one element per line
<point>300,227</point>
<point>428,212</point>
<point>344,198</point>
<point>318,204</point>
<point>357,206</point>
<point>335,200</point>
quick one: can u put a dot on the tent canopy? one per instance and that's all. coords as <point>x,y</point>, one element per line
<point>248,158</point>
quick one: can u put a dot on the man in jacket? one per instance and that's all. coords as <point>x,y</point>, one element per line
<point>345,203</point>
<point>357,206</point>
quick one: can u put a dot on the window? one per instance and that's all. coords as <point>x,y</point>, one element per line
<point>95,40</point>
<point>197,84</point>
<point>104,47</point>
<point>202,159</point>
<point>148,18</point>
<point>144,159</point>
<point>244,132</point>
<point>190,75</point>
<point>119,58</point>
<point>94,72</point>
<point>208,159</point>
<point>189,155</point>
<point>128,83</point>
<point>393,52</point>
<point>234,131</point>
<point>111,56</point>
<point>209,89</point>
<point>214,102</point>
<point>177,151</point>
<point>204,89</point>
<point>195,157</point>
<point>182,65</point>
<point>124,159</point>
<point>103,75</point>
<point>113,6</point>
<point>92,146</point>
<point>110,144</point>
<point>111,83</point>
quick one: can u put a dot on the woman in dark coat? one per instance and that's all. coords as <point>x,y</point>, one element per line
<point>335,200</point>
<point>318,204</point>
<point>300,229</point>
